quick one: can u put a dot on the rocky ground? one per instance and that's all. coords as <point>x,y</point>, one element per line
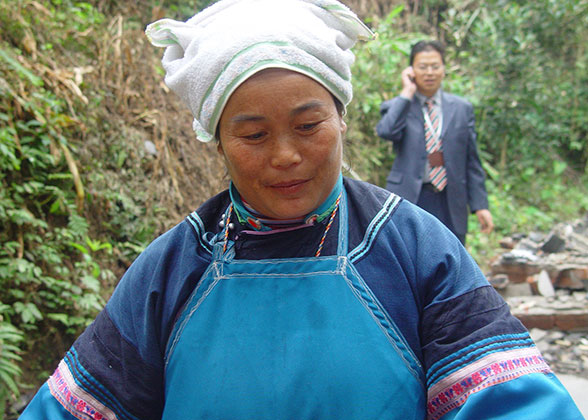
<point>544,279</point>
<point>566,352</point>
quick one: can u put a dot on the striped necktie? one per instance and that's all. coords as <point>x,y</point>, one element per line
<point>433,143</point>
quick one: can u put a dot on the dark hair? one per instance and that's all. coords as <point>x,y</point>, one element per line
<point>338,105</point>
<point>427,46</point>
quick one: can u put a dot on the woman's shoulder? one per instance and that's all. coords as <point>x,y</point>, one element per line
<point>362,190</point>
<point>367,203</point>
<point>205,221</point>
<point>191,235</point>
<point>210,212</point>
<point>373,210</point>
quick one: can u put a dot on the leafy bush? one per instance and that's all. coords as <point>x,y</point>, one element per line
<point>10,337</point>
<point>376,77</point>
<point>50,284</point>
<point>528,66</point>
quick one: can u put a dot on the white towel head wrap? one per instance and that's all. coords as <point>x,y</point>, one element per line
<point>211,54</point>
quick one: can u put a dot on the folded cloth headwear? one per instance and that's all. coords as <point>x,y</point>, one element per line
<point>211,54</point>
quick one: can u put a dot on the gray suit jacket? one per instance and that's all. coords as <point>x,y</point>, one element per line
<point>402,122</point>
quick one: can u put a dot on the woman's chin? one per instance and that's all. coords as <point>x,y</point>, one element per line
<point>288,209</point>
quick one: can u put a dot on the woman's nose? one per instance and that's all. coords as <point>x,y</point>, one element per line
<point>285,152</point>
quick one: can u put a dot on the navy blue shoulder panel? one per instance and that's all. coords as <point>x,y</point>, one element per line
<point>145,302</point>
<point>413,263</point>
<point>478,318</point>
<point>106,365</point>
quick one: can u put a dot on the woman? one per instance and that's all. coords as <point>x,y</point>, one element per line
<point>296,294</point>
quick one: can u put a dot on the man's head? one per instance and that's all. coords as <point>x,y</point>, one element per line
<point>428,62</point>
<point>427,46</point>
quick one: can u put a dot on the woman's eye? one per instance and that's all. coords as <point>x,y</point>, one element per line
<point>307,127</point>
<point>254,136</point>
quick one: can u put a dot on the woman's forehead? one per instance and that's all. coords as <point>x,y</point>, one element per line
<point>279,87</point>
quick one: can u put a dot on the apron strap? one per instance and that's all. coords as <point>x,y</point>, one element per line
<point>342,246</point>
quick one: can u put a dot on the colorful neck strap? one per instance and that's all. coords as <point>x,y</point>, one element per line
<point>246,214</point>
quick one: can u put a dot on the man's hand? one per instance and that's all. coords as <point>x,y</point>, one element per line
<point>485,219</point>
<point>408,85</point>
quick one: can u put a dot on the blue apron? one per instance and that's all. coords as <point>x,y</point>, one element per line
<point>298,338</point>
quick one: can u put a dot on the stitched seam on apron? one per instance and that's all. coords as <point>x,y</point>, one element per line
<point>390,331</point>
<point>291,261</point>
<point>178,332</point>
<point>281,275</point>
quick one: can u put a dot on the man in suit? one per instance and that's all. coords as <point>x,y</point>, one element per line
<point>437,164</point>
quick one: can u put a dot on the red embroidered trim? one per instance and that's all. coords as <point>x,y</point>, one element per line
<point>457,393</point>
<point>63,392</point>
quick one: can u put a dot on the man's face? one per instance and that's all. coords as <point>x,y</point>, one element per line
<point>429,72</point>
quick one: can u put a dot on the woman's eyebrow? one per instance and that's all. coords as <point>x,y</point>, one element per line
<point>314,104</point>
<point>246,118</point>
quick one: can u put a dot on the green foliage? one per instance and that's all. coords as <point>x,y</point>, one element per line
<point>10,337</point>
<point>376,77</point>
<point>183,10</point>
<point>523,66</point>
<point>74,204</point>
<point>527,62</point>
<point>50,282</point>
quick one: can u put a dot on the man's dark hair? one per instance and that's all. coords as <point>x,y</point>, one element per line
<point>427,46</point>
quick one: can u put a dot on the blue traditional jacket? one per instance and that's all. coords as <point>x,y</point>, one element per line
<point>393,321</point>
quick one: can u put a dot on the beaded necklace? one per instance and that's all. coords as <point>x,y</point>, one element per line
<point>322,242</point>
<point>247,215</point>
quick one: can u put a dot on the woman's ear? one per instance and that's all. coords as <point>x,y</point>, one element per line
<point>219,148</point>
<point>343,127</point>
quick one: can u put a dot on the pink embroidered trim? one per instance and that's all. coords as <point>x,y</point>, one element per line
<point>74,399</point>
<point>496,368</point>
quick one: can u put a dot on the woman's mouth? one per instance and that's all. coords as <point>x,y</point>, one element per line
<point>289,187</point>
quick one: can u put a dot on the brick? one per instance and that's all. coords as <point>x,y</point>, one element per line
<point>517,272</point>
<point>542,321</point>
<point>572,278</point>
<point>572,320</point>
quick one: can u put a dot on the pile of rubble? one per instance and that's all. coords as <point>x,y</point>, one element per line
<point>544,279</point>
<point>564,351</point>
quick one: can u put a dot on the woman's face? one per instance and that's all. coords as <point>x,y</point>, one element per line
<point>282,137</point>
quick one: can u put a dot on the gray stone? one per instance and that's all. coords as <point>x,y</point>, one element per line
<point>544,284</point>
<point>150,147</point>
<point>544,348</point>
<point>553,243</point>
<point>537,334</point>
<point>555,335</point>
